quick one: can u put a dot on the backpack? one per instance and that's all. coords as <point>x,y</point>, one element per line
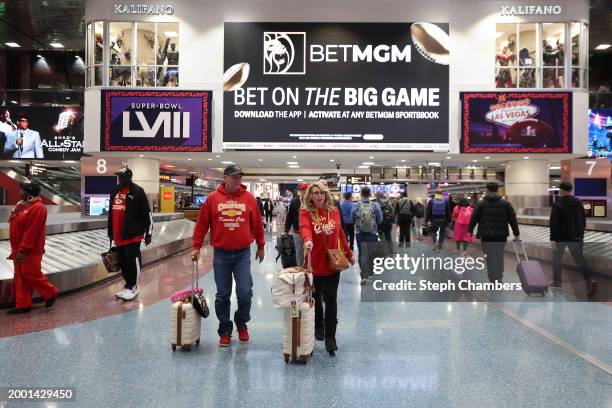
<point>387,212</point>
<point>405,207</point>
<point>438,208</point>
<point>419,210</point>
<point>366,218</point>
<point>286,251</point>
<point>465,214</point>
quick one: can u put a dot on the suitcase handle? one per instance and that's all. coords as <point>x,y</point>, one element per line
<point>194,277</point>
<point>516,252</point>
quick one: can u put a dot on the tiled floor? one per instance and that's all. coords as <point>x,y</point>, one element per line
<point>412,354</point>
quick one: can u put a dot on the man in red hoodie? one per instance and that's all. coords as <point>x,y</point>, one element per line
<point>232,215</point>
<point>27,235</point>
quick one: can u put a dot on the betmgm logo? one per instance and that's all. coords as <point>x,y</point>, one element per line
<point>280,50</point>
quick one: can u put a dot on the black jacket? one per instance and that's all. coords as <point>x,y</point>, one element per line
<point>293,215</point>
<point>493,214</point>
<point>429,215</point>
<point>2,143</point>
<point>567,220</point>
<point>138,216</point>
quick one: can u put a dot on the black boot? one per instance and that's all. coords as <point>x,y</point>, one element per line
<point>330,344</point>
<point>19,310</point>
<point>319,332</point>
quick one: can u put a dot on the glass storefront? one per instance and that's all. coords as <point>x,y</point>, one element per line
<point>132,54</point>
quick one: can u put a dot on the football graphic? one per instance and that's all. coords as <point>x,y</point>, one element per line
<point>431,42</point>
<point>530,132</point>
<point>235,76</point>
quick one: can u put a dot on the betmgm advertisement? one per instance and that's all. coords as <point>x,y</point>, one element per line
<point>41,133</point>
<point>352,86</point>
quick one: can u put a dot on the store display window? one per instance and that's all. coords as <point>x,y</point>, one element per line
<point>132,54</point>
<point>537,55</point>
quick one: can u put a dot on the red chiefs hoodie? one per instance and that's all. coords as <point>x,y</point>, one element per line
<point>27,228</point>
<point>234,220</point>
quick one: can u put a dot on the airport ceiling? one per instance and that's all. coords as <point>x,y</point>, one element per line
<point>34,24</point>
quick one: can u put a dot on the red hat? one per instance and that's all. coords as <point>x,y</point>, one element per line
<point>303,186</point>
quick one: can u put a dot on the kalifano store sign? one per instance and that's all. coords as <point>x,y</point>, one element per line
<point>516,122</point>
<point>353,86</point>
<point>162,121</point>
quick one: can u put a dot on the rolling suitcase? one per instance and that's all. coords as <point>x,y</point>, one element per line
<point>299,336</point>
<point>186,323</point>
<point>530,273</point>
<point>286,251</point>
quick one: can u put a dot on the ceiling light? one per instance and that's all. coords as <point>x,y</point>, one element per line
<point>189,159</point>
<point>292,162</point>
<point>487,157</point>
<point>299,180</point>
<point>262,180</point>
<point>217,156</point>
<point>526,157</point>
<point>69,161</point>
<point>371,157</point>
<point>260,160</point>
<point>14,102</point>
<point>368,163</point>
<point>182,169</point>
<point>227,162</point>
<point>599,47</point>
<point>433,164</point>
<point>474,161</point>
<point>364,167</point>
<point>14,161</point>
<point>448,157</point>
<point>403,161</point>
<point>170,34</point>
<point>554,168</point>
<point>12,44</point>
<point>294,166</point>
<point>209,159</point>
<point>57,45</point>
<point>295,157</point>
<point>331,160</point>
<point>141,155</point>
<point>193,172</point>
<point>169,166</point>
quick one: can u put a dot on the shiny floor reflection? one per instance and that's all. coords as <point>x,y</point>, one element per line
<point>391,354</point>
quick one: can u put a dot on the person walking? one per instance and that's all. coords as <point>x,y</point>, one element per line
<point>292,222</point>
<point>232,215</point>
<point>567,224</point>
<point>388,218</point>
<point>418,218</point>
<point>438,216</point>
<point>462,213</point>
<point>260,206</point>
<point>129,221</point>
<point>366,215</point>
<point>320,228</point>
<point>269,211</point>
<point>493,214</point>
<point>27,239</point>
<point>346,206</point>
<point>404,220</point>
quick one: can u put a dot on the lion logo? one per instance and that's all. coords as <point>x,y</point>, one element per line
<point>279,53</point>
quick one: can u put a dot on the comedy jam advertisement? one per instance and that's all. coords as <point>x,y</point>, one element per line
<point>352,86</point>
<point>516,122</point>
<point>42,133</point>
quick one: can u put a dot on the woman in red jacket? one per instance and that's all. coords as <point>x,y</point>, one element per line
<point>320,220</point>
<point>27,236</point>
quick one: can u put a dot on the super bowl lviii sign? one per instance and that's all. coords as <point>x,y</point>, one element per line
<point>168,121</point>
<point>359,86</point>
<point>516,122</point>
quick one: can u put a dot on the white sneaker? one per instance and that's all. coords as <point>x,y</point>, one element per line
<point>122,293</point>
<point>131,294</point>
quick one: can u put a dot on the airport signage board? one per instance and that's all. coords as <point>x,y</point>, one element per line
<point>161,121</point>
<point>516,122</point>
<point>47,133</point>
<point>330,86</point>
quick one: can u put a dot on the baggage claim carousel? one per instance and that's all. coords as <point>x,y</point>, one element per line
<point>72,259</point>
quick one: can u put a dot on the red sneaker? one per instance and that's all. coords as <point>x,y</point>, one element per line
<point>225,340</point>
<point>243,334</point>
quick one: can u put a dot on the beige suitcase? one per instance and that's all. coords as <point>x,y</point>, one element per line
<point>186,321</point>
<point>299,336</point>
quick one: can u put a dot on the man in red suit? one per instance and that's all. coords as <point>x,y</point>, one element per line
<point>27,236</point>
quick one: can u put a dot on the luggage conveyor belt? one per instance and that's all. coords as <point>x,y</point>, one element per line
<point>597,247</point>
<point>72,260</point>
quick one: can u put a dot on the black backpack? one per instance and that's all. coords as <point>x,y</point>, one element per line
<point>286,251</point>
<point>419,210</point>
<point>387,212</point>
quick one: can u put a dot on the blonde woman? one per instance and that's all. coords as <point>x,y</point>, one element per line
<point>320,224</point>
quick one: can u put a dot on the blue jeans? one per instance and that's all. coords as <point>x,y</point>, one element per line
<point>238,263</point>
<point>366,253</point>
